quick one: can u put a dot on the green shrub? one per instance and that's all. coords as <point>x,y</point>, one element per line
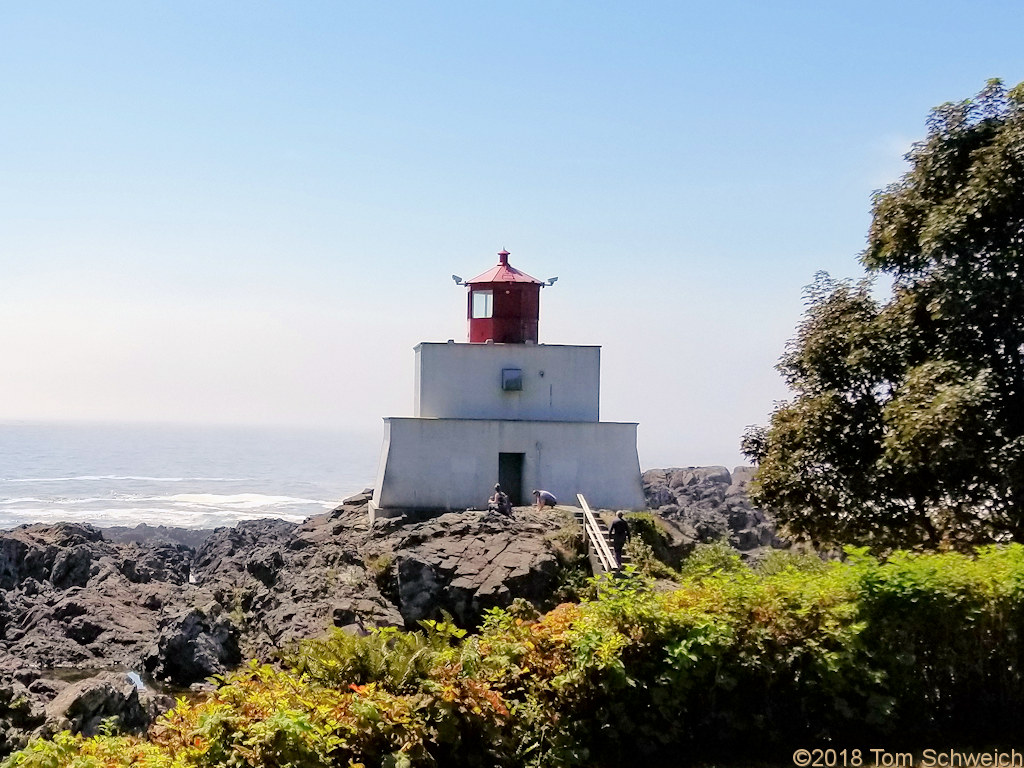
<point>651,541</point>
<point>642,557</point>
<point>573,565</point>
<point>711,559</point>
<point>951,627</point>
<point>378,568</point>
<point>917,650</point>
<point>567,540</point>
<point>780,560</point>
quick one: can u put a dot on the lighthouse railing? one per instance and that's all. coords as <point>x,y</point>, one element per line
<point>596,537</point>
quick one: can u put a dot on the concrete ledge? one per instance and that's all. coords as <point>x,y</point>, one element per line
<point>410,514</point>
<point>378,513</point>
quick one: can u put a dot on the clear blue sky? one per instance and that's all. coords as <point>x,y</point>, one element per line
<point>248,212</point>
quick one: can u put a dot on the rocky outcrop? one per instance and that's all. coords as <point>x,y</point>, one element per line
<point>60,554</point>
<point>21,712</point>
<point>193,645</point>
<point>84,706</point>
<point>465,565</point>
<point>144,533</point>
<point>73,598</point>
<point>288,582</point>
<point>704,504</point>
<point>75,603</point>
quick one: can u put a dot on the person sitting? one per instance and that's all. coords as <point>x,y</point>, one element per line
<point>544,499</point>
<point>499,502</point>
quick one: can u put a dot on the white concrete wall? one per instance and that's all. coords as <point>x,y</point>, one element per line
<point>463,381</point>
<point>453,463</point>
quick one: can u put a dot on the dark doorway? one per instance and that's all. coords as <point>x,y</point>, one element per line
<point>510,475</point>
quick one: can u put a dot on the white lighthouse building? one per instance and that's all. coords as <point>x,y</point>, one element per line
<point>506,409</point>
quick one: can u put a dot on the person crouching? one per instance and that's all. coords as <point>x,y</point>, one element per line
<point>544,499</point>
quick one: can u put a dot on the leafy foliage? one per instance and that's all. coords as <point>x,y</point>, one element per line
<point>711,559</point>
<point>736,660</point>
<point>907,425</point>
<point>780,560</point>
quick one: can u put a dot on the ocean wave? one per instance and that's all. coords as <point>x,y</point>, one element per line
<point>234,501</point>
<point>185,510</point>
<point>120,477</point>
<point>237,500</point>
<point>113,496</point>
<point>130,517</point>
<point>53,500</point>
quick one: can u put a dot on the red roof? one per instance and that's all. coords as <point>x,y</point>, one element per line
<point>503,273</point>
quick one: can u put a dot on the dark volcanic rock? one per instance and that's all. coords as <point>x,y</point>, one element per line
<point>158,534</point>
<point>71,598</point>
<point>227,549</point>
<point>704,504</point>
<point>71,567</point>
<point>264,564</point>
<point>82,707</point>
<point>160,562</point>
<point>193,646</point>
<point>464,565</point>
<point>20,714</point>
<point>287,582</point>
<point>43,552</point>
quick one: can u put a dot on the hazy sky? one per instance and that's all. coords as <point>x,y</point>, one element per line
<point>249,212</point>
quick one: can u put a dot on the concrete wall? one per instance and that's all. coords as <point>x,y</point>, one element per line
<point>463,381</point>
<point>453,463</point>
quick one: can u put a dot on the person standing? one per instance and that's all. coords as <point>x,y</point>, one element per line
<point>619,533</point>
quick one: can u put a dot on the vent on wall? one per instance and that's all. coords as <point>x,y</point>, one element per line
<point>512,379</point>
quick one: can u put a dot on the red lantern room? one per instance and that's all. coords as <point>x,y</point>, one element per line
<point>503,305</point>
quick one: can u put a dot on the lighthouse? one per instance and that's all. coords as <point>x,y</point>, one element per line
<point>504,408</point>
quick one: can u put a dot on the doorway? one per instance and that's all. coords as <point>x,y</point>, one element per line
<point>510,475</point>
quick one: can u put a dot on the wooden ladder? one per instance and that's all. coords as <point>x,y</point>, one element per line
<point>599,544</point>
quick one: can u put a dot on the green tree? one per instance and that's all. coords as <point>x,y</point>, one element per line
<point>907,423</point>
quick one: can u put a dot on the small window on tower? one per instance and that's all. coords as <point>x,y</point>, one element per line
<point>512,379</point>
<point>483,304</point>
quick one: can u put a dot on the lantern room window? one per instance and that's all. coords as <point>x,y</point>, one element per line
<point>483,304</point>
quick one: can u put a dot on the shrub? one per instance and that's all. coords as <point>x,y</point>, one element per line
<point>378,567</point>
<point>642,557</point>
<point>567,540</point>
<point>650,549</point>
<point>919,649</point>
<point>710,559</point>
<point>951,628</point>
<point>780,560</point>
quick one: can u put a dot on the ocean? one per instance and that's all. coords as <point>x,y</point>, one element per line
<point>184,476</point>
